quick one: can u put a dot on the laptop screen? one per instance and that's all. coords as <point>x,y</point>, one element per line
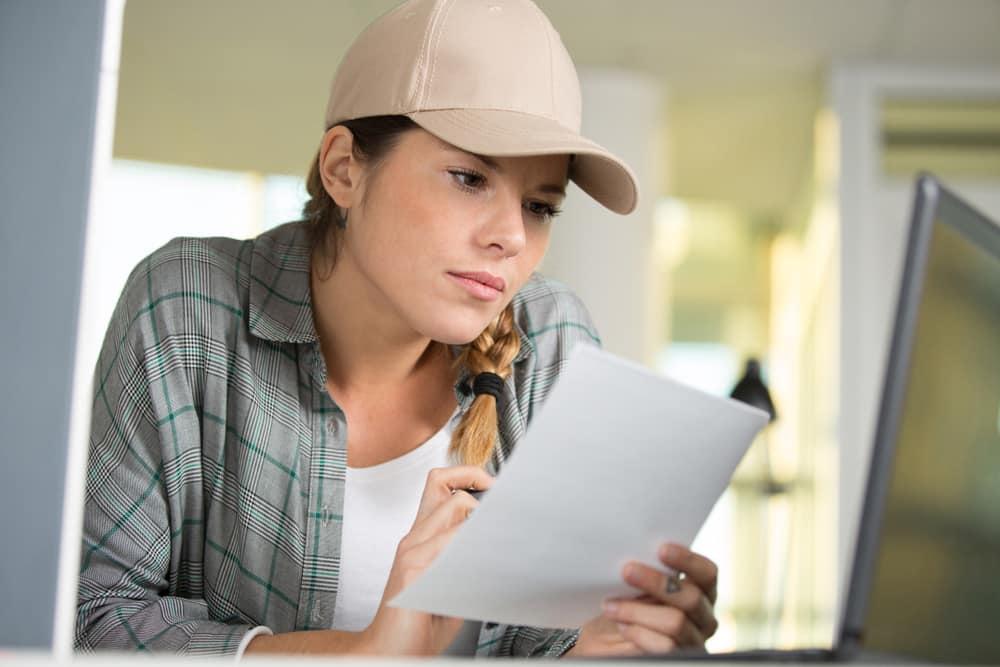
<point>935,574</point>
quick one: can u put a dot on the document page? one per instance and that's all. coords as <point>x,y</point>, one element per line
<point>617,461</point>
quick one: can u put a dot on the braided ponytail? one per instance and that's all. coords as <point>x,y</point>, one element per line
<point>493,351</point>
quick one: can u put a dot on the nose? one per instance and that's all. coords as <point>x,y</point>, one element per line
<point>503,231</point>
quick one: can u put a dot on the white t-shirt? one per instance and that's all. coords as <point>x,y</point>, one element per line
<point>380,504</point>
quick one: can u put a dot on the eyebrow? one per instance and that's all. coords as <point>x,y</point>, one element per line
<point>551,189</point>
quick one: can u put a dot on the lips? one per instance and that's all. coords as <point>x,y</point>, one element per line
<point>484,277</point>
<point>481,285</point>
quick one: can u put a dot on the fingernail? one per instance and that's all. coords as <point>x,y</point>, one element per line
<point>628,571</point>
<point>610,607</point>
<point>621,628</point>
<point>671,551</point>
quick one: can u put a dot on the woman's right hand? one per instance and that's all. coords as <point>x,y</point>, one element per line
<point>443,508</point>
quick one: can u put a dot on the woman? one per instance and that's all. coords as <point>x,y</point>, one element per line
<point>284,428</point>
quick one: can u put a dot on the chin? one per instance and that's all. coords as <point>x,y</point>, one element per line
<point>456,330</point>
<point>452,337</point>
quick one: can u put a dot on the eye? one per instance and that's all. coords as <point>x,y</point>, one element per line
<point>542,210</point>
<point>468,179</point>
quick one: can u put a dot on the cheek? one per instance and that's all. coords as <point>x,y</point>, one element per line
<point>537,243</point>
<point>416,211</point>
<point>396,226</point>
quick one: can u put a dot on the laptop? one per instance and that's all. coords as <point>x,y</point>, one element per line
<point>925,581</point>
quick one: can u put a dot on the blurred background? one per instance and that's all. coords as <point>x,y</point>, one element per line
<point>776,143</point>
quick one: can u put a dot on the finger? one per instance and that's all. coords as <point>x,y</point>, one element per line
<point>647,640</point>
<point>682,594</point>
<point>668,621</point>
<point>702,570</point>
<point>451,512</point>
<point>418,557</point>
<point>688,597</point>
<point>442,481</point>
<point>602,638</point>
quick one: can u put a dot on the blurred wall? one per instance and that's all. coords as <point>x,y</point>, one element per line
<point>607,259</point>
<point>231,84</point>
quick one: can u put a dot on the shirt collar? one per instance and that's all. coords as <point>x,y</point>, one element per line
<point>280,291</point>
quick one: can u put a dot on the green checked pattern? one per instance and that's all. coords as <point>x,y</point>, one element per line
<point>215,483</point>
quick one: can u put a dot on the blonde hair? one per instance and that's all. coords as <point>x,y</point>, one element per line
<point>493,351</point>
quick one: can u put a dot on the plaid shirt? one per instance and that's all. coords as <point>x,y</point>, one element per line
<point>215,483</point>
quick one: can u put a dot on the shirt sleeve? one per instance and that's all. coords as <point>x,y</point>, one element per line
<point>142,490</point>
<point>526,642</point>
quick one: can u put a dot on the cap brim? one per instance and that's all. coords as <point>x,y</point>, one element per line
<point>500,133</point>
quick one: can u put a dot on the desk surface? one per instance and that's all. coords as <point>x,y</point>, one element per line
<point>35,659</point>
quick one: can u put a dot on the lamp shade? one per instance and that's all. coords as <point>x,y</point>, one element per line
<point>751,389</point>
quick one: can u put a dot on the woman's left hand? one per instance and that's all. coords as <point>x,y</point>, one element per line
<point>672,611</point>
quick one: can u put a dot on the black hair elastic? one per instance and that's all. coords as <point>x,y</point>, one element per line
<point>488,383</point>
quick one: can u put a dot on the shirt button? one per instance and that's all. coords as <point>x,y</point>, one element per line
<point>316,616</point>
<point>331,424</point>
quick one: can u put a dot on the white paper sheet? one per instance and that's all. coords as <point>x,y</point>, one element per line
<point>618,461</point>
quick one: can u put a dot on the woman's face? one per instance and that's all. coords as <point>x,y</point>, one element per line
<point>442,239</point>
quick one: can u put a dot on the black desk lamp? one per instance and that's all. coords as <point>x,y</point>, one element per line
<point>752,390</point>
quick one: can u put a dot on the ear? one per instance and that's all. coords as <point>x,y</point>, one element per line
<point>340,171</point>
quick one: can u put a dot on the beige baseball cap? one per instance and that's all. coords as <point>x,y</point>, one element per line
<point>491,77</point>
